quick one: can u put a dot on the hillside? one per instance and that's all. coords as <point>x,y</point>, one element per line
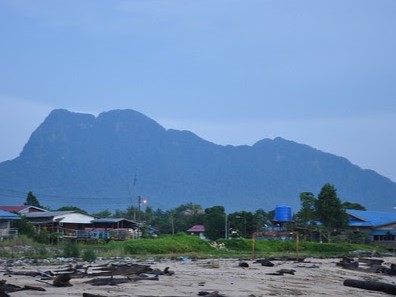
<point>92,162</point>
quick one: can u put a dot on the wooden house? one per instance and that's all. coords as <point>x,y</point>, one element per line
<point>197,230</point>
<point>7,220</point>
<point>22,209</point>
<point>63,222</point>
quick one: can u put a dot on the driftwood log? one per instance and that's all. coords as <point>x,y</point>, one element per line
<point>371,265</point>
<point>92,295</point>
<point>370,261</point>
<point>111,281</point>
<point>264,262</point>
<point>282,272</point>
<point>62,280</point>
<point>210,294</point>
<point>127,269</point>
<point>371,285</point>
<point>26,273</point>
<point>79,271</point>
<point>243,264</point>
<point>10,288</point>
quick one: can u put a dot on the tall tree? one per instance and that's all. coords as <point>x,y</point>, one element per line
<point>261,220</point>
<point>72,208</point>
<point>306,217</point>
<point>353,205</point>
<point>187,215</point>
<point>103,214</point>
<point>242,222</point>
<point>32,200</point>
<point>215,220</point>
<point>307,213</point>
<point>330,211</point>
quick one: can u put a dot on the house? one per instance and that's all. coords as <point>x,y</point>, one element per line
<point>197,230</point>
<point>380,225</point>
<point>64,222</point>
<point>22,209</point>
<point>114,228</point>
<point>7,219</point>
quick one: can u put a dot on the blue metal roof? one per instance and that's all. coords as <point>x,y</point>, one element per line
<point>8,216</point>
<point>367,218</point>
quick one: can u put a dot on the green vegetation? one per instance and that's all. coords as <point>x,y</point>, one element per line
<point>89,255</point>
<point>320,218</point>
<point>187,245</point>
<point>32,200</point>
<point>72,208</point>
<point>180,245</point>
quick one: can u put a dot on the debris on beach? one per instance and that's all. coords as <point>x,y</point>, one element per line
<point>62,280</point>
<point>10,288</point>
<point>371,285</point>
<point>243,264</point>
<point>210,294</point>
<point>282,272</point>
<point>264,262</point>
<point>367,265</point>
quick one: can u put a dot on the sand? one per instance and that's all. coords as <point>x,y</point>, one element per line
<point>313,277</point>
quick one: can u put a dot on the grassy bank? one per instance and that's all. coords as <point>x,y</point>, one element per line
<point>185,245</point>
<point>180,245</point>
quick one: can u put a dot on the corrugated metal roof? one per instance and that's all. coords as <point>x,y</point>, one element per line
<point>20,208</point>
<point>111,220</point>
<point>74,218</point>
<point>61,217</point>
<point>197,229</point>
<point>8,216</point>
<point>369,218</point>
<point>15,208</point>
<point>47,214</point>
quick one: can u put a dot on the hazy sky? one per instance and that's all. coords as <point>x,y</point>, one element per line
<point>322,73</point>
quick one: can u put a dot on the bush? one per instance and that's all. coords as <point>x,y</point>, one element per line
<point>71,249</point>
<point>239,244</point>
<point>25,227</point>
<point>89,255</point>
<point>167,245</point>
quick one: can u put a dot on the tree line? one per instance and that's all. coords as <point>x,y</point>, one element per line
<point>325,214</point>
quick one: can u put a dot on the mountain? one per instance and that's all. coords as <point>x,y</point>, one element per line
<point>106,162</point>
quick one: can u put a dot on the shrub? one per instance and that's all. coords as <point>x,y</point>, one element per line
<point>238,244</point>
<point>167,245</point>
<point>89,255</point>
<point>71,249</point>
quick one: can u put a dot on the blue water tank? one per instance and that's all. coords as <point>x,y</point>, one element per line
<point>283,213</point>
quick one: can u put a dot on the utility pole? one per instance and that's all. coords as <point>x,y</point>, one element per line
<point>172,222</point>
<point>131,194</point>
<point>139,206</point>
<point>226,227</point>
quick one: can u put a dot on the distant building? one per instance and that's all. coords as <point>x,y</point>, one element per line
<point>113,228</point>
<point>64,222</point>
<point>380,225</point>
<point>7,219</point>
<point>197,230</point>
<point>22,209</point>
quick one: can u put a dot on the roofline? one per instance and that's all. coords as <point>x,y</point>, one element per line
<point>356,217</point>
<point>376,226</point>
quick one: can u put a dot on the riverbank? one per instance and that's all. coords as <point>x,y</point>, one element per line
<point>313,277</point>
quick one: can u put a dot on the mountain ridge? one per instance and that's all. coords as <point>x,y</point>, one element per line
<point>77,158</point>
